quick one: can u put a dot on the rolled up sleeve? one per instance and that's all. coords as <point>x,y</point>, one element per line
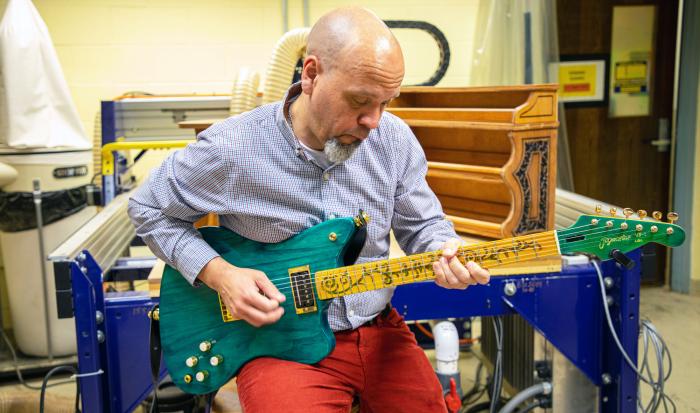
<point>189,184</point>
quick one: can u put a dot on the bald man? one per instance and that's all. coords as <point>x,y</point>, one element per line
<point>326,150</point>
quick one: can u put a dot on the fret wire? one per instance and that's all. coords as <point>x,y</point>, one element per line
<point>354,279</point>
<point>364,270</point>
<point>359,276</point>
<point>347,276</point>
<point>396,274</point>
<point>405,269</point>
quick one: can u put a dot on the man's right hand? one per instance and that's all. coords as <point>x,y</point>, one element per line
<point>247,293</point>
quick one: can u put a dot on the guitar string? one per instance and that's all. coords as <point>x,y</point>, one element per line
<point>462,253</point>
<point>562,233</point>
<point>355,273</point>
<point>493,244</point>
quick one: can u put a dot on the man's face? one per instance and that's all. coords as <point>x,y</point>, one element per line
<point>346,105</point>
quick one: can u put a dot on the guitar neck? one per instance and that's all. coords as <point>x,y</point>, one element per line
<point>374,275</point>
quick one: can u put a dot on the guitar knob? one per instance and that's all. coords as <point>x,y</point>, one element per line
<point>613,212</point>
<point>187,378</point>
<point>205,346</point>
<point>657,215</point>
<point>201,375</point>
<point>627,212</point>
<point>642,214</point>
<point>216,360</point>
<point>191,361</point>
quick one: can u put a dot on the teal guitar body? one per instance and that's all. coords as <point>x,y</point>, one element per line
<point>202,351</point>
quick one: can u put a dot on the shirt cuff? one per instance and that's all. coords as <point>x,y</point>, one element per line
<point>192,258</point>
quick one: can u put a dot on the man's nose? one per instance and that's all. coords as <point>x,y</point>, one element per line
<point>370,120</point>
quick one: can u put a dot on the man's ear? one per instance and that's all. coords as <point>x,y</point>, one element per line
<point>309,72</point>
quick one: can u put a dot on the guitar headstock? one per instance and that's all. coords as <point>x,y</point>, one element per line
<point>599,234</point>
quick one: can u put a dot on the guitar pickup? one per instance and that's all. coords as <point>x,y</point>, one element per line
<point>302,289</point>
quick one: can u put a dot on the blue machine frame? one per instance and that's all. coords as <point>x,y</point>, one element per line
<point>566,307</point>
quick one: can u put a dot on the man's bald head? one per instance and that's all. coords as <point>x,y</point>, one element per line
<point>354,36</point>
<point>353,69</point>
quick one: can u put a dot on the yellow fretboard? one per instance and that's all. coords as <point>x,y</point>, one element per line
<point>374,275</point>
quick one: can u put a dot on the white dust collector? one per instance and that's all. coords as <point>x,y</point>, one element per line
<point>42,139</point>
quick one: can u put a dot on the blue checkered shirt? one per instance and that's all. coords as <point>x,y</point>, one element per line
<point>252,172</point>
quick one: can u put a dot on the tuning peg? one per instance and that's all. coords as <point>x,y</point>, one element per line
<point>613,212</point>
<point>627,212</point>
<point>598,209</point>
<point>642,214</point>
<point>672,217</point>
<point>657,215</point>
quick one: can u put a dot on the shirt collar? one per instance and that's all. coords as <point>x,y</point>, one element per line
<point>281,117</point>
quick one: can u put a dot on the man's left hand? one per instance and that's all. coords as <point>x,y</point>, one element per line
<point>451,273</point>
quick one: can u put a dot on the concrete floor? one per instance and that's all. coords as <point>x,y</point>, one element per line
<point>676,316</point>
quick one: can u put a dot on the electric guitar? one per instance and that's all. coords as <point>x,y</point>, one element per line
<point>204,346</point>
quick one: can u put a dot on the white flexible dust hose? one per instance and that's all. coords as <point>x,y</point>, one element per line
<point>8,174</point>
<point>532,391</point>
<point>245,91</point>
<point>290,48</point>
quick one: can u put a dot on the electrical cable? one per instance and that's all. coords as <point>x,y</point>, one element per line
<point>531,406</point>
<point>649,333</point>
<point>498,367</point>
<point>15,362</point>
<point>475,394</point>
<point>484,406</point>
<point>440,39</point>
<point>528,393</point>
<point>466,398</point>
<point>44,385</point>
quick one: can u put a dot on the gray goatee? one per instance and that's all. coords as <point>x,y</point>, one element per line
<point>338,152</point>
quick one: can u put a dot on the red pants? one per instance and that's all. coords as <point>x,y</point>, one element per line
<point>379,363</point>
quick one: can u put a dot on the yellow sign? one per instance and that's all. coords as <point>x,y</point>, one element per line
<point>631,77</point>
<point>578,80</point>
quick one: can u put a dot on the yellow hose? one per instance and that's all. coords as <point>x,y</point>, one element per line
<point>245,91</point>
<point>290,48</point>
<point>8,174</point>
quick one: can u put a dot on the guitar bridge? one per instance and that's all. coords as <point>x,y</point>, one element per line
<point>302,289</point>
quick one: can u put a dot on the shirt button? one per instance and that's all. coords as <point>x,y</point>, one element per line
<point>326,176</point>
<point>351,313</point>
